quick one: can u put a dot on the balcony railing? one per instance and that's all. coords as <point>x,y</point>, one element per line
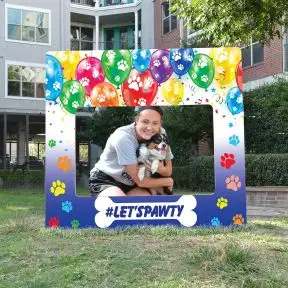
<point>107,45</point>
<point>84,2</point>
<point>106,3</point>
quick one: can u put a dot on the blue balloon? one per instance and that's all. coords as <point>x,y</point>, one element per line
<point>181,60</point>
<point>234,101</point>
<point>54,78</point>
<point>141,59</point>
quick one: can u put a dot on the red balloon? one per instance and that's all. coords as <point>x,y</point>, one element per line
<point>139,89</point>
<point>89,73</point>
<point>239,76</point>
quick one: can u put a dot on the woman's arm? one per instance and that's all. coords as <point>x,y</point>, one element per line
<point>148,182</point>
<point>165,170</point>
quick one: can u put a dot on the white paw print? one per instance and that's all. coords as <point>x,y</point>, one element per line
<point>122,65</point>
<point>101,98</point>
<point>117,78</point>
<point>84,81</point>
<point>65,101</point>
<point>142,102</point>
<point>176,56</point>
<point>204,78</point>
<point>180,67</point>
<point>48,93</point>
<point>134,56</point>
<point>165,61</point>
<point>74,89</point>
<point>189,58</point>
<point>75,104</point>
<point>142,66</point>
<point>95,74</point>
<point>143,53</point>
<point>111,55</point>
<point>202,63</point>
<point>87,66</point>
<point>135,83</point>
<point>56,85</point>
<point>156,63</point>
<point>221,70</point>
<point>222,56</point>
<point>194,76</point>
<point>148,83</point>
<point>46,81</point>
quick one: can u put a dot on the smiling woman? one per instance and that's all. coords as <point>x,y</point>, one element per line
<point>116,173</point>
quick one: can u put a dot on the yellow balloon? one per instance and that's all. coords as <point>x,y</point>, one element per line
<point>69,61</point>
<point>173,91</point>
<point>225,60</point>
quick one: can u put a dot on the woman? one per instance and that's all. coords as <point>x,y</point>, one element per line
<point>116,173</point>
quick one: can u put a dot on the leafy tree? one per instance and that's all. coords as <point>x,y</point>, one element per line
<point>234,22</point>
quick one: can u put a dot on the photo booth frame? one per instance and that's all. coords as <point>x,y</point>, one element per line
<point>155,77</point>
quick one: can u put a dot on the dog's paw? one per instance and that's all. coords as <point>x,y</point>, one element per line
<point>141,173</point>
<point>154,166</point>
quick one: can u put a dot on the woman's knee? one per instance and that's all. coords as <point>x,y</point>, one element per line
<point>138,192</point>
<point>112,191</point>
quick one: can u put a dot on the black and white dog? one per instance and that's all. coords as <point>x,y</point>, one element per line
<point>153,151</point>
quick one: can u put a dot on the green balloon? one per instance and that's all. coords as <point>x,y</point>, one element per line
<point>202,71</point>
<point>116,65</point>
<point>72,96</point>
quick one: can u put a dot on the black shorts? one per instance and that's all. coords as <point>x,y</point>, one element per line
<point>99,181</point>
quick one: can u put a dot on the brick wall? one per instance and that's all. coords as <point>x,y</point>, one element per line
<point>272,64</point>
<point>168,40</point>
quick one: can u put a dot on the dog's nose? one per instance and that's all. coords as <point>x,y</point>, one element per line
<point>164,145</point>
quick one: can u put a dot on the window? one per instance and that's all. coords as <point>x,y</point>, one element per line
<point>252,54</point>
<point>26,81</point>
<point>169,21</point>
<point>285,50</point>
<point>81,38</point>
<point>28,25</point>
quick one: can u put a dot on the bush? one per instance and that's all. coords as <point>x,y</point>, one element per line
<point>261,170</point>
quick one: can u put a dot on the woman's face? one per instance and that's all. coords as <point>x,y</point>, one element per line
<point>148,123</point>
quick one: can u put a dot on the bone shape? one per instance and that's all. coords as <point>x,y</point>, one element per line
<point>187,218</point>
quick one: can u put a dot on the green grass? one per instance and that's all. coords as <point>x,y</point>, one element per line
<point>252,256</point>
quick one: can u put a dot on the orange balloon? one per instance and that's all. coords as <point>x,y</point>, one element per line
<point>104,94</point>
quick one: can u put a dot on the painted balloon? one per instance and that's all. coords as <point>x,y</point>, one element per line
<point>69,61</point>
<point>202,71</point>
<point>181,60</point>
<point>89,73</point>
<point>116,65</point>
<point>234,101</point>
<point>160,67</point>
<point>54,78</point>
<point>239,76</point>
<point>141,59</point>
<point>72,96</point>
<point>139,89</point>
<point>173,91</point>
<point>104,94</point>
<point>225,60</point>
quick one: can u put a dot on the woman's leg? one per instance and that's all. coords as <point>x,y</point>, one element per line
<point>138,192</point>
<point>112,191</point>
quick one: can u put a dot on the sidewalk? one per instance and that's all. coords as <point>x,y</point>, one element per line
<point>257,211</point>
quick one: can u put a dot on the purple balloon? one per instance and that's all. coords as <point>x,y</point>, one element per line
<point>160,66</point>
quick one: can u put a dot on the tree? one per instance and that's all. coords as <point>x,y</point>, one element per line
<point>233,22</point>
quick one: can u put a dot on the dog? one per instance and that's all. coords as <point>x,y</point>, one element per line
<point>153,151</point>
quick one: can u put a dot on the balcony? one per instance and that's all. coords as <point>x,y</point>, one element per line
<point>109,3</point>
<point>90,3</point>
<point>107,45</point>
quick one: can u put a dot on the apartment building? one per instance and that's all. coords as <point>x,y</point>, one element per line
<point>29,29</point>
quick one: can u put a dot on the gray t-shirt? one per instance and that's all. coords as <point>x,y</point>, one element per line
<point>120,150</point>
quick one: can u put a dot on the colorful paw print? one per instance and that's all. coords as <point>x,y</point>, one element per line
<point>64,163</point>
<point>75,223</point>
<point>215,222</point>
<point>233,183</point>
<point>67,206</point>
<point>58,188</point>
<point>53,222</point>
<point>227,160</point>
<point>234,140</point>
<point>52,143</point>
<point>238,219</point>
<point>222,202</point>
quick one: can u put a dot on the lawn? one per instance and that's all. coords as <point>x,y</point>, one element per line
<point>255,255</point>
